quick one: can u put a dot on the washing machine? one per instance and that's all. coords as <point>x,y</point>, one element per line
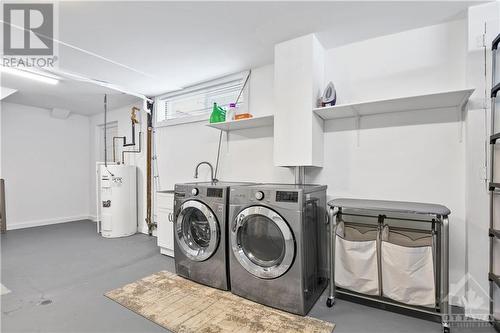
<point>278,244</point>
<point>200,229</point>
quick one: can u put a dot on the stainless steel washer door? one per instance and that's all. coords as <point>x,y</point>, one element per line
<point>197,231</point>
<point>262,242</point>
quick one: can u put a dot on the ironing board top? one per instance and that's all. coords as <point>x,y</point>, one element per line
<point>391,206</point>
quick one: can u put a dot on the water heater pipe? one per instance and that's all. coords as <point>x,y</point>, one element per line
<point>106,134</point>
<point>149,192</point>
<point>132,151</point>
<point>105,131</point>
<point>133,120</point>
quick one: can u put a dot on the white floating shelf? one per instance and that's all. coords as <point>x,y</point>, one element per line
<point>440,100</point>
<point>262,121</point>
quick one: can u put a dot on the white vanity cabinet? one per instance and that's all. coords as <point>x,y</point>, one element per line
<point>165,218</point>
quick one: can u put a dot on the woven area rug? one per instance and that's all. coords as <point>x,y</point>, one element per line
<point>181,305</point>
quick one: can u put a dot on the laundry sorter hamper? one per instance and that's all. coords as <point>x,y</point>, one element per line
<point>392,255</point>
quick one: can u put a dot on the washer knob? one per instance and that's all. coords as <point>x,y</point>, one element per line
<point>195,191</point>
<point>259,195</point>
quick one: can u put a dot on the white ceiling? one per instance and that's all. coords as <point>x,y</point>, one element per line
<point>154,47</point>
<point>78,97</point>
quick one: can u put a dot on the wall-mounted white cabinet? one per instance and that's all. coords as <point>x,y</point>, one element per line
<point>165,218</point>
<point>298,83</point>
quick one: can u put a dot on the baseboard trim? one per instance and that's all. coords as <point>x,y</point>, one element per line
<point>39,223</point>
<point>167,252</point>
<point>144,230</point>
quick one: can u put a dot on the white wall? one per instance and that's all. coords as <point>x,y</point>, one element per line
<point>45,166</point>
<point>246,155</point>
<point>412,156</point>
<point>122,117</point>
<point>411,62</point>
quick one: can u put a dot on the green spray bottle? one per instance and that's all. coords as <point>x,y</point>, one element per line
<point>218,114</point>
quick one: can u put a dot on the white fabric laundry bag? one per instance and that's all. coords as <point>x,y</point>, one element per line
<point>407,268</point>
<point>356,266</point>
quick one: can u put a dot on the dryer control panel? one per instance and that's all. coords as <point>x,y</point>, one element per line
<point>287,196</point>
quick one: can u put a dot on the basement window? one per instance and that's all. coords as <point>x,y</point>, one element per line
<point>195,103</point>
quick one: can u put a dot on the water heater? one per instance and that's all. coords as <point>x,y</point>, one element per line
<point>117,200</point>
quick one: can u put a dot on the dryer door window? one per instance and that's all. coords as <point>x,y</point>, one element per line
<point>262,242</point>
<point>197,230</point>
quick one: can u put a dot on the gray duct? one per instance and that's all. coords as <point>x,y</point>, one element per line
<point>300,175</point>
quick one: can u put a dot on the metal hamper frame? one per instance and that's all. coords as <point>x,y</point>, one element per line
<point>437,215</point>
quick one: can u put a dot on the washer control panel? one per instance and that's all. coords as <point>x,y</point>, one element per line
<point>214,192</point>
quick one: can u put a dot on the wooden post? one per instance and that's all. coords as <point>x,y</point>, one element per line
<point>149,153</point>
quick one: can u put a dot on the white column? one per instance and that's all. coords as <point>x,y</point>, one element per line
<point>298,83</point>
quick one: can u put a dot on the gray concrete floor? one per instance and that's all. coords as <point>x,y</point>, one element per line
<point>58,275</point>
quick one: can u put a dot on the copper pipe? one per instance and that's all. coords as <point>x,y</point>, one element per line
<point>148,182</point>
<point>133,115</point>
<point>149,189</point>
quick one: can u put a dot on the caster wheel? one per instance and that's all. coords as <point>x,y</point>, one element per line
<point>446,330</point>
<point>330,302</point>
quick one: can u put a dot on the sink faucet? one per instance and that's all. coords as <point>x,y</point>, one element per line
<point>211,171</point>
